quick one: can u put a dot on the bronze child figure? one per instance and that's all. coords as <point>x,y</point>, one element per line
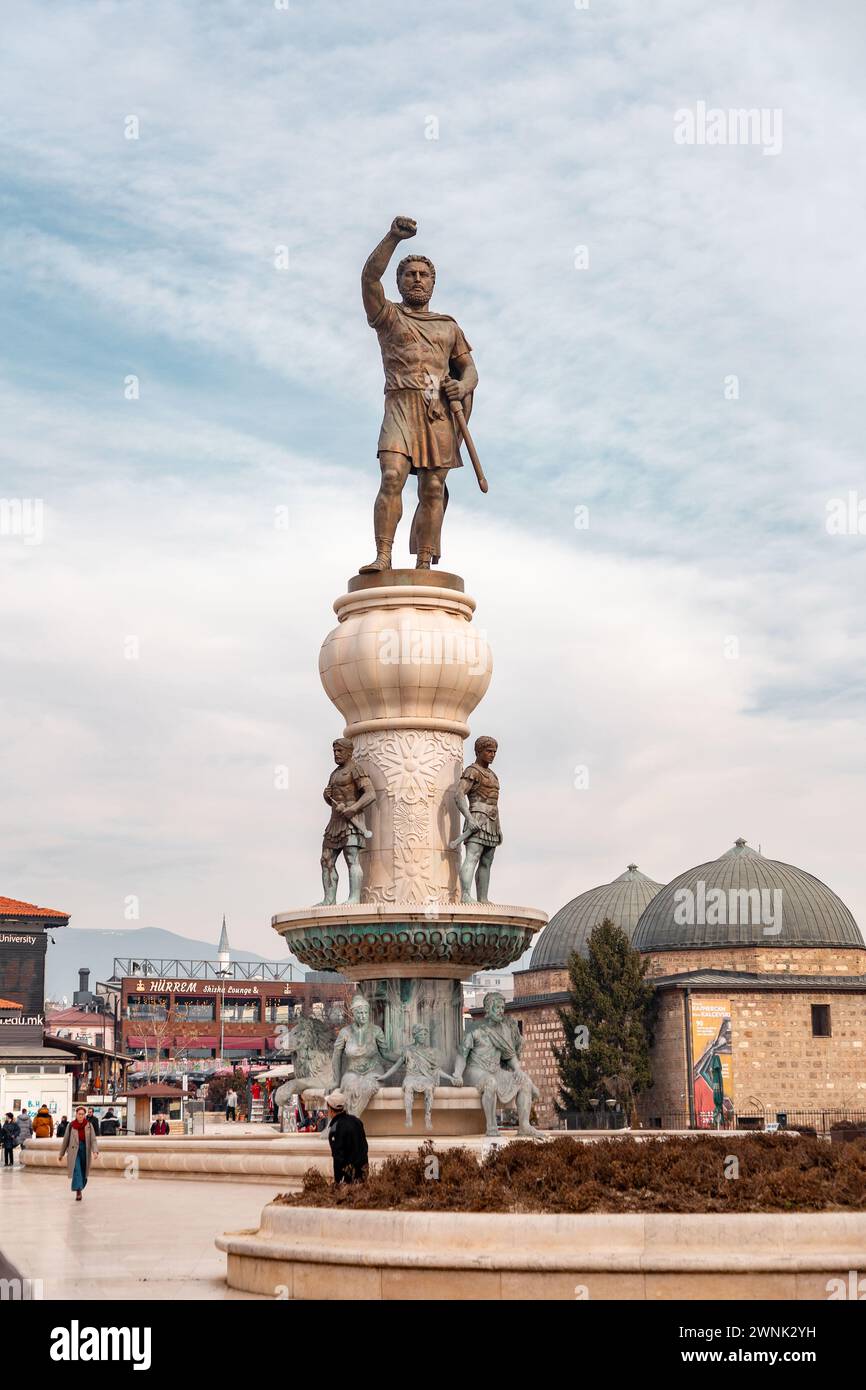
<point>422,1073</point>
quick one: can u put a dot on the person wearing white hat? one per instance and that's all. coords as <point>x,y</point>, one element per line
<point>348,1141</point>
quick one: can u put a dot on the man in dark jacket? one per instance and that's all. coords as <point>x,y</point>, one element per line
<point>92,1120</point>
<point>10,1134</point>
<point>109,1124</point>
<point>348,1141</point>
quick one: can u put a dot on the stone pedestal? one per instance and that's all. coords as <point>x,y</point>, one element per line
<point>405,667</point>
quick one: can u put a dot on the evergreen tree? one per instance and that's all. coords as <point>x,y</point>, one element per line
<point>608,1024</point>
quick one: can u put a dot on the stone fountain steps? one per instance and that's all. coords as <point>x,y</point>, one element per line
<point>310,1253</point>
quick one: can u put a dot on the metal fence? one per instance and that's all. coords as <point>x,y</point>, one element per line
<point>821,1121</point>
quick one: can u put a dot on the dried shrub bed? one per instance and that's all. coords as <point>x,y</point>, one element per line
<point>776,1173</point>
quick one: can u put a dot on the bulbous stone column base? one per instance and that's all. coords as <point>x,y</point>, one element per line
<point>405,667</point>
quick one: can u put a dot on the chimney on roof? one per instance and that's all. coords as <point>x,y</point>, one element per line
<point>82,998</point>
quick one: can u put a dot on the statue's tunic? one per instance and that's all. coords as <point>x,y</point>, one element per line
<point>485,1048</point>
<point>482,795</point>
<point>345,785</point>
<point>422,1067</point>
<point>417,349</point>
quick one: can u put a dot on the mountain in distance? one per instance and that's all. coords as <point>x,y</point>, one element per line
<point>77,947</point>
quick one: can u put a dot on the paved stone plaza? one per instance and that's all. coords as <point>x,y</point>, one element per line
<point>127,1239</point>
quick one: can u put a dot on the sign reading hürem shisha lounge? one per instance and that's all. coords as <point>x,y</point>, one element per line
<point>244,989</point>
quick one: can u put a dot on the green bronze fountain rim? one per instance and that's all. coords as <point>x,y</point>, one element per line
<point>344,943</point>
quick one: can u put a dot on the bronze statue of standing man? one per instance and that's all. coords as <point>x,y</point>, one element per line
<point>428,364</point>
<point>348,793</point>
<point>477,798</point>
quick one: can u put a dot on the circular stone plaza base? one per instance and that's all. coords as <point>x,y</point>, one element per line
<point>322,1253</point>
<point>259,1153</point>
<point>268,1156</point>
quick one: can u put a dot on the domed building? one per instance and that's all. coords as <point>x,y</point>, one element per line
<point>760,970</point>
<point>541,990</point>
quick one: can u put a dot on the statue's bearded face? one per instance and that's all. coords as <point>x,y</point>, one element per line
<point>416,284</point>
<point>496,1007</point>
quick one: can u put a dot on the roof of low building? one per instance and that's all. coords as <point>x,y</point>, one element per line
<point>778,981</point>
<point>14,907</point>
<point>20,1052</point>
<point>154,1092</point>
<point>568,930</point>
<point>80,1016</point>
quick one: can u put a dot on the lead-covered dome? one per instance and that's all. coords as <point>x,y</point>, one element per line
<point>622,901</point>
<point>745,899</point>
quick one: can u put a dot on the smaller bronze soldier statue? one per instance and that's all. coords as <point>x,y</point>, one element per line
<point>422,1073</point>
<point>477,799</point>
<point>348,792</point>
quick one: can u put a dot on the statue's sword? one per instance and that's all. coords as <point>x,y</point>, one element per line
<point>361,829</point>
<point>454,844</point>
<point>460,421</point>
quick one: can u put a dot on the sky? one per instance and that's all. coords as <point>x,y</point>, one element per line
<point>669,565</point>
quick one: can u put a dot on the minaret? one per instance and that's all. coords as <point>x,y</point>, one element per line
<point>223,950</point>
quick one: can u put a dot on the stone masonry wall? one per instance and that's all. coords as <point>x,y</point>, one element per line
<point>542,1032</point>
<point>773,960</point>
<point>777,1064</point>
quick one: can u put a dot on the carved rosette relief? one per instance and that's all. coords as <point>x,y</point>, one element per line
<point>414,772</point>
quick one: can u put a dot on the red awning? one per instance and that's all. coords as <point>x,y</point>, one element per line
<point>196,1042</point>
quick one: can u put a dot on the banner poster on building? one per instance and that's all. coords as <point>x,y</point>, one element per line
<point>712,1063</point>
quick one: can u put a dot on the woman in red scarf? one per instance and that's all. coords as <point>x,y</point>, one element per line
<point>79,1146</point>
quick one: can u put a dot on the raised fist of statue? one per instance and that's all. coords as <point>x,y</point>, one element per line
<point>403,227</point>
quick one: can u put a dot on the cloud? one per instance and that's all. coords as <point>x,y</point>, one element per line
<point>603,387</point>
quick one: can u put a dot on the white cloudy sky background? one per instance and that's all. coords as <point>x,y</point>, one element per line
<point>261,388</point>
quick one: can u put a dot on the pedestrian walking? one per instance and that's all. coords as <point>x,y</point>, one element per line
<point>160,1125</point>
<point>43,1125</point>
<point>80,1148</point>
<point>62,1126</point>
<point>231,1104</point>
<point>25,1125</point>
<point>10,1134</point>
